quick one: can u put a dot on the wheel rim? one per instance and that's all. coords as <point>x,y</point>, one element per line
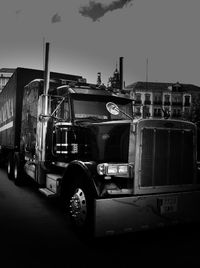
<point>8,167</point>
<point>78,207</point>
<point>15,171</point>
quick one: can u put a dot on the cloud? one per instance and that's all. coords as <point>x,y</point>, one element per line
<point>18,11</point>
<point>96,10</point>
<point>56,18</point>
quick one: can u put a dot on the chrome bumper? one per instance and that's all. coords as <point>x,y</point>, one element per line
<point>129,214</point>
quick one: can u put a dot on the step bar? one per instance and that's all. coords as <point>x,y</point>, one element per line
<point>47,192</point>
<point>53,183</point>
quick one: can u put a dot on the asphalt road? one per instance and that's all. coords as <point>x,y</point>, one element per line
<point>34,232</point>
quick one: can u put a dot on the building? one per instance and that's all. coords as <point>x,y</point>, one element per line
<point>5,74</point>
<point>155,99</point>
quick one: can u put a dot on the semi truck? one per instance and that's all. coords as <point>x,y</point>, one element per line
<point>81,144</point>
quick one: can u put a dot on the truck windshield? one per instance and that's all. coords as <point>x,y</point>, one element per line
<point>96,110</point>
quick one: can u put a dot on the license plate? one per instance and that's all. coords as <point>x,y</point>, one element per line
<point>168,205</point>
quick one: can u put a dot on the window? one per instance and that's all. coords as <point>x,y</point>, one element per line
<point>177,113</point>
<point>138,98</point>
<point>95,109</point>
<point>157,98</point>
<point>187,110</point>
<point>157,112</point>
<point>138,111</point>
<point>147,98</point>
<point>59,108</point>
<point>187,100</point>
<point>177,99</point>
<point>146,111</point>
<point>167,99</point>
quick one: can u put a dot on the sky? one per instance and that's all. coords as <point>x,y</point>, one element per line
<point>89,36</point>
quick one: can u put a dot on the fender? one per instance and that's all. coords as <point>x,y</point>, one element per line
<point>87,169</point>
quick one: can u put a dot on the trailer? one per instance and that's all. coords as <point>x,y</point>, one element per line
<point>81,144</point>
<point>11,104</point>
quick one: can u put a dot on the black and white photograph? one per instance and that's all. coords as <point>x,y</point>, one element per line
<point>99,133</point>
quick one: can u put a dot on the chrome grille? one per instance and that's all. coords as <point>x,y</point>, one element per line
<point>166,157</point>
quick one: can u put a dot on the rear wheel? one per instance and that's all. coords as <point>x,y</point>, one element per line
<point>17,169</point>
<point>10,166</point>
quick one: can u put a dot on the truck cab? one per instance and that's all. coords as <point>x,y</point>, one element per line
<point>113,172</point>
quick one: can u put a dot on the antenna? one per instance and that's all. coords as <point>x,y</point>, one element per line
<point>147,63</point>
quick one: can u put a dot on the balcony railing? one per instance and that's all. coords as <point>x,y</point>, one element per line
<point>174,103</point>
<point>187,104</point>
<point>167,103</point>
<point>157,102</point>
<point>147,102</point>
<point>176,115</point>
<point>138,102</point>
<point>157,115</point>
<point>138,114</point>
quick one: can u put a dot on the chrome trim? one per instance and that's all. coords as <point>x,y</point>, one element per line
<point>60,164</point>
<point>63,124</point>
<point>62,144</point>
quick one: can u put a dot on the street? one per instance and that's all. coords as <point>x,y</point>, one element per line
<point>34,232</point>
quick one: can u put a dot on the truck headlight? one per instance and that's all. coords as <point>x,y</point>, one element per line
<point>111,170</point>
<point>121,170</point>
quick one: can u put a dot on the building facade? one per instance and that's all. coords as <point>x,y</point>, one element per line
<point>5,74</point>
<point>155,99</point>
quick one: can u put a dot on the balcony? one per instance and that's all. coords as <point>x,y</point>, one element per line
<point>167,103</point>
<point>176,115</point>
<point>147,102</point>
<point>138,102</point>
<point>177,103</point>
<point>157,102</point>
<point>159,115</point>
<point>138,114</point>
<point>187,104</point>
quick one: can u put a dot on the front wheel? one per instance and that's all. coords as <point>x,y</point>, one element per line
<point>80,207</point>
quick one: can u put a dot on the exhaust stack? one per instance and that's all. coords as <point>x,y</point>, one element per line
<point>121,73</point>
<point>46,77</point>
<point>43,105</point>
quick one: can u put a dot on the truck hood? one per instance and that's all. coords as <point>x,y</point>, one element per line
<point>109,141</point>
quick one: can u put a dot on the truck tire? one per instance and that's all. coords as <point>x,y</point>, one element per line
<point>17,170</point>
<point>10,166</point>
<point>80,207</point>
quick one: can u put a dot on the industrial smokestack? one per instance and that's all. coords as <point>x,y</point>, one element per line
<point>121,73</point>
<point>98,78</point>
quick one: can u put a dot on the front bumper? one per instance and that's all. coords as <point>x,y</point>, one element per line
<point>129,214</point>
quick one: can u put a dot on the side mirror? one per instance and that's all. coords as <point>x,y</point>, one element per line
<point>112,108</point>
